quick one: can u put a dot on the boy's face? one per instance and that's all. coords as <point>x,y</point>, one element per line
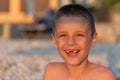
<point>73,39</point>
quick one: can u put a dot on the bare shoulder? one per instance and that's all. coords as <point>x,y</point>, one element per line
<point>55,65</point>
<point>51,68</point>
<point>103,72</point>
<point>106,73</point>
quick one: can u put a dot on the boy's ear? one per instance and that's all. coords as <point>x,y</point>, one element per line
<point>94,40</point>
<point>53,37</point>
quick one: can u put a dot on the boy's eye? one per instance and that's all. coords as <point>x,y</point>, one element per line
<point>82,35</point>
<point>62,35</point>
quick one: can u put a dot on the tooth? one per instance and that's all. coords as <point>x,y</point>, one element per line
<point>67,51</point>
<point>74,51</point>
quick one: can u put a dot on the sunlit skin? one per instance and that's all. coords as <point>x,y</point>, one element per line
<point>73,40</point>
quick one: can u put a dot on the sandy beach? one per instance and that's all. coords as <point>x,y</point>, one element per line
<point>26,59</point>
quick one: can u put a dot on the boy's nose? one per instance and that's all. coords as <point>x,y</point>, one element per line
<point>70,41</point>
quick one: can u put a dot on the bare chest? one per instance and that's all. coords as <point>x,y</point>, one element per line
<point>67,77</point>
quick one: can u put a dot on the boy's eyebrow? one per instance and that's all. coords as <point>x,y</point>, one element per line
<point>82,32</point>
<point>62,32</point>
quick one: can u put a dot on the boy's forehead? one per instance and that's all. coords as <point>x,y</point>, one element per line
<point>69,22</point>
<point>72,19</point>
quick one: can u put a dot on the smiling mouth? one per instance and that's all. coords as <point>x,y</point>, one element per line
<point>72,52</point>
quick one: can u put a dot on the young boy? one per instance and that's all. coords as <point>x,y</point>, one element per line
<point>74,34</point>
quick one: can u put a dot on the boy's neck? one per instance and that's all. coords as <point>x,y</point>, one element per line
<point>78,69</point>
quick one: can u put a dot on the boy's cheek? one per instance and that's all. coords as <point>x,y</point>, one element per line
<point>57,42</point>
<point>60,43</point>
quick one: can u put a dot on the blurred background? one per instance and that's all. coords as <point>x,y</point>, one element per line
<point>26,45</point>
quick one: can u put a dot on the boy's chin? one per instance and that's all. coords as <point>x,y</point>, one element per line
<point>73,63</point>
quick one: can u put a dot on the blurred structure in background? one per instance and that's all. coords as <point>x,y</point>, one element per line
<point>11,13</point>
<point>21,16</point>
